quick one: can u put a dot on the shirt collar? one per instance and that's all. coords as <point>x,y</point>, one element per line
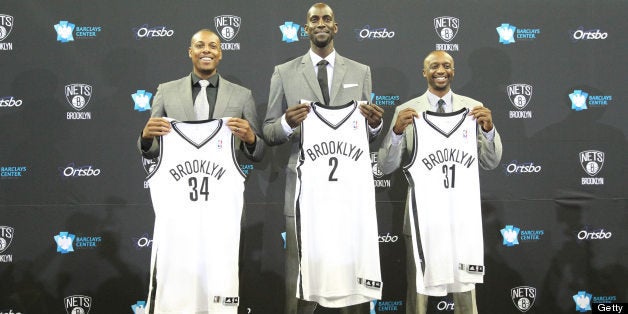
<point>331,58</point>
<point>213,80</point>
<point>433,99</point>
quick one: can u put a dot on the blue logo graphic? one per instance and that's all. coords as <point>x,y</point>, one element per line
<point>578,100</point>
<point>510,234</point>
<point>506,33</point>
<point>283,237</point>
<point>290,32</point>
<point>141,99</point>
<point>583,301</point>
<point>64,242</point>
<point>384,100</point>
<point>373,304</point>
<point>139,307</point>
<point>64,31</point>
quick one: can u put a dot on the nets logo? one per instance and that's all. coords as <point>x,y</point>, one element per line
<point>139,307</point>
<point>582,34</point>
<point>592,161</point>
<point>519,95</point>
<point>523,297</point>
<point>150,164</point>
<point>228,27</point>
<point>146,31</point>
<point>77,304</point>
<point>78,95</point>
<point>367,32</point>
<point>141,100</point>
<point>6,237</point>
<point>6,26</point>
<point>64,242</point>
<point>446,28</point>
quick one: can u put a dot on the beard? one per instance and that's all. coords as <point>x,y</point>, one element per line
<point>321,43</point>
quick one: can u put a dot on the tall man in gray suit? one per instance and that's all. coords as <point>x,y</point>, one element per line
<point>438,70</point>
<point>176,99</point>
<point>296,80</point>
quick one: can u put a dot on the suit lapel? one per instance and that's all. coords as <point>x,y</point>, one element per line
<point>222,98</point>
<point>457,104</point>
<point>340,69</point>
<point>307,70</point>
<point>184,90</point>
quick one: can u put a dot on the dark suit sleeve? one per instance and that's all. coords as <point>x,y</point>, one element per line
<point>157,110</point>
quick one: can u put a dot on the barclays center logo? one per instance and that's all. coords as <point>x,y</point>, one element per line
<point>64,241</point>
<point>446,28</point>
<point>290,32</point>
<point>509,34</point>
<point>228,26</point>
<point>66,31</point>
<point>141,100</point>
<point>511,235</point>
<point>384,100</point>
<point>139,307</point>
<point>581,100</point>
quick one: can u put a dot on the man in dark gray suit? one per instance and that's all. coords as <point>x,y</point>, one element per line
<point>294,81</point>
<point>438,70</point>
<point>176,99</point>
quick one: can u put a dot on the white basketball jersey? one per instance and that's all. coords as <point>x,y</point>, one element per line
<point>336,222</point>
<point>197,193</point>
<point>444,203</point>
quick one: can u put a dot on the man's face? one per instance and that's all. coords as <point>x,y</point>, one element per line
<point>321,25</point>
<point>438,70</point>
<point>205,53</point>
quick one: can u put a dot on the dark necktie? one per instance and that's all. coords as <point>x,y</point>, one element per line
<point>441,106</point>
<point>322,79</point>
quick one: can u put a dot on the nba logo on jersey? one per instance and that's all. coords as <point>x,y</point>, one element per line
<point>219,144</point>
<point>78,95</point>
<point>77,304</point>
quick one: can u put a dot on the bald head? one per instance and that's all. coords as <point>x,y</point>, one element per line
<point>437,55</point>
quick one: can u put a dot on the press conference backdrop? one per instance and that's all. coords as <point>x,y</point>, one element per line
<point>76,219</point>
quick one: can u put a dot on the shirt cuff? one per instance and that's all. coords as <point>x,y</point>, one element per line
<point>490,135</point>
<point>395,139</point>
<point>286,127</point>
<point>374,131</point>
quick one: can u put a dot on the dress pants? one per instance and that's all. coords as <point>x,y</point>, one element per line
<point>464,302</point>
<point>293,304</point>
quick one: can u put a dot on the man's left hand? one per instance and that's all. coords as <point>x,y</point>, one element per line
<point>242,129</point>
<point>372,113</point>
<point>483,116</point>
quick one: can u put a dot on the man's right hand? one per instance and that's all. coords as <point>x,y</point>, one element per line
<point>296,114</point>
<point>155,127</point>
<point>404,118</point>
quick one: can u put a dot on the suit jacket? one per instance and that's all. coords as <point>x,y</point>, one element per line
<point>174,100</point>
<point>296,80</point>
<point>390,156</point>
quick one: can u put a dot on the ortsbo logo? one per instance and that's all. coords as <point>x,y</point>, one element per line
<point>6,25</point>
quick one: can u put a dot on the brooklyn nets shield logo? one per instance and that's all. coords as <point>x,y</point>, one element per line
<point>6,236</point>
<point>150,164</point>
<point>592,161</point>
<point>519,95</point>
<point>523,297</point>
<point>77,304</point>
<point>227,26</point>
<point>78,95</point>
<point>377,172</point>
<point>6,25</point>
<point>446,27</point>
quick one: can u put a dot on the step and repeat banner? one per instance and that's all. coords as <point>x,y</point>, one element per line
<point>78,77</point>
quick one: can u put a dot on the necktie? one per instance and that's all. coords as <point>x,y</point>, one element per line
<point>322,79</point>
<point>201,105</point>
<point>441,106</point>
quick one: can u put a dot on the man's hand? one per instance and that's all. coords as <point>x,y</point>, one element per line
<point>242,129</point>
<point>483,116</point>
<point>404,118</point>
<point>372,113</point>
<point>155,127</point>
<point>296,114</point>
